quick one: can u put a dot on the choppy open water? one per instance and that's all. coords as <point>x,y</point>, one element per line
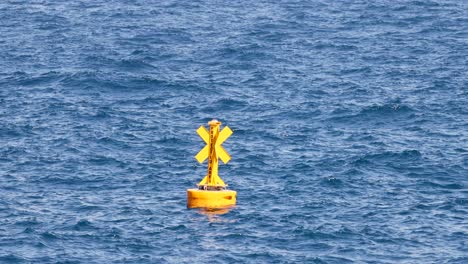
<point>350,124</point>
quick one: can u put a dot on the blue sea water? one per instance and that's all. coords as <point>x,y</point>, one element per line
<point>350,123</point>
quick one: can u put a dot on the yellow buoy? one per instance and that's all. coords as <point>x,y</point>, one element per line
<point>212,192</point>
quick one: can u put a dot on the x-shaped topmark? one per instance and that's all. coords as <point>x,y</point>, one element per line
<point>218,150</point>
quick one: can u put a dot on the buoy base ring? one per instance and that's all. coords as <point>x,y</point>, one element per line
<point>210,198</point>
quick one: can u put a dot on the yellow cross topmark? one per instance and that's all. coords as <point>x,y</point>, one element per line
<point>220,151</point>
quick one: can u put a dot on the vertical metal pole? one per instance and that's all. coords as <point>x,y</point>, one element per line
<point>212,157</point>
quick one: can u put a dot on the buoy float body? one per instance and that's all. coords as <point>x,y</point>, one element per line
<point>197,198</point>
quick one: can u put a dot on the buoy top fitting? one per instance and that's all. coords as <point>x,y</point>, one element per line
<point>214,122</point>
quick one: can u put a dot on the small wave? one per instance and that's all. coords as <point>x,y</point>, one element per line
<point>424,3</point>
<point>387,109</point>
<point>11,258</point>
<point>450,186</point>
<point>389,157</point>
<point>105,160</point>
<point>231,104</point>
<point>358,70</point>
<point>83,225</point>
<point>375,114</point>
<point>339,47</point>
<point>28,230</point>
<point>28,222</point>
<point>332,182</point>
<point>49,236</point>
<point>176,227</point>
<point>10,132</point>
<point>313,234</point>
<point>39,80</point>
<point>134,64</point>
